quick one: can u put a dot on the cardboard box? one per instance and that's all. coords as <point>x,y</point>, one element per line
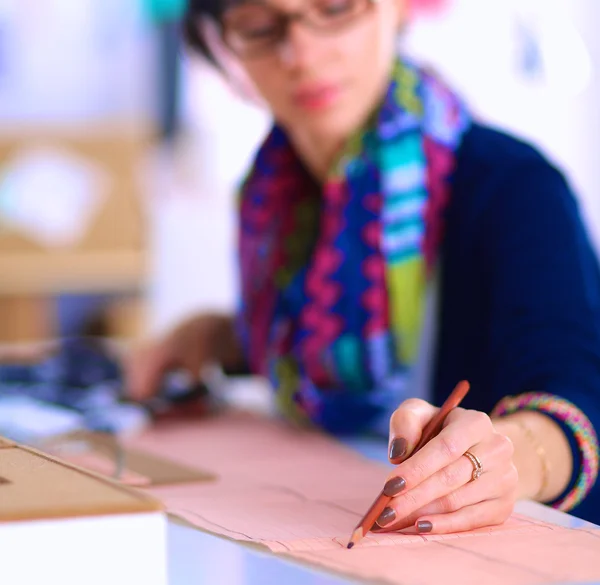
<point>111,254</point>
<point>60,523</point>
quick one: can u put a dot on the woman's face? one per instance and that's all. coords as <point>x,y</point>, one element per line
<point>325,81</point>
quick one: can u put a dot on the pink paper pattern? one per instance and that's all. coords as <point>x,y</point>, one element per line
<point>300,494</point>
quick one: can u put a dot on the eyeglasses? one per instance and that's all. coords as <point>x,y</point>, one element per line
<point>255,28</point>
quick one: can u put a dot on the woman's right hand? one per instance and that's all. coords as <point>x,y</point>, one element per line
<point>192,345</point>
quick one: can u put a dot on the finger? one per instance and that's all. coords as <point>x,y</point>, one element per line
<point>496,484</point>
<point>483,514</point>
<point>496,452</point>
<point>163,363</point>
<point>144,370</point>
<point>469,427</point>
<point>131,364</point>
<point>406,424</point>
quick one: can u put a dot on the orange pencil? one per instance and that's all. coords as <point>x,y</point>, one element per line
<point>432,429</point>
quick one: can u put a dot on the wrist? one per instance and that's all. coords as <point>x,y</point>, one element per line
<point>542,454</point>
<point>569,424</point>
<point>528,465</point>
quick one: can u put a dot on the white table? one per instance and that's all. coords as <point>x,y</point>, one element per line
<point>198,558</point>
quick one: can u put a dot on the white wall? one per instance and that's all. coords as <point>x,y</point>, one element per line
<point>192,200</point>
<point>72,62</point>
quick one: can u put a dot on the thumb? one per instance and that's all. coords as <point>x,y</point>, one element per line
<point>145,369</point>
<point>406,425</point>
<point>141,373</point>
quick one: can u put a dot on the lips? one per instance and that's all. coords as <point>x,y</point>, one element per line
<point>316,96</point>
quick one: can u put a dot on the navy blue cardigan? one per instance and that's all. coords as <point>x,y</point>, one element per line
<point>520,289</point>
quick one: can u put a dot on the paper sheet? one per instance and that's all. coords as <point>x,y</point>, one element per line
<point>26,420</point>
<point>301,494</point>
<point>244,449</point>
<point>540,555</point>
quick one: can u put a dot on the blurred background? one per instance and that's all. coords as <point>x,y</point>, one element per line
<point>120,152</point>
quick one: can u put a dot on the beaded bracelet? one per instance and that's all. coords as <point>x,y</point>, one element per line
<point>577,422</point>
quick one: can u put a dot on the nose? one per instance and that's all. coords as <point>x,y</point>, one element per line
<point>300,49</point>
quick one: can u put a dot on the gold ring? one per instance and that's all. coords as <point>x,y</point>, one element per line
<point>477,467</point>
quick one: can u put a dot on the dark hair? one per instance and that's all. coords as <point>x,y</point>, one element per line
<point>192,34</point>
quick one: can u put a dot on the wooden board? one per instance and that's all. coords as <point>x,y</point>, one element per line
<point>36,486</point>
<point>5,443</point>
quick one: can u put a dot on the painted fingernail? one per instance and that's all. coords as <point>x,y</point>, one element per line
<point>394,486</point>
<point>424,526</point>
<point>398,448</point>
<point>386,517</point>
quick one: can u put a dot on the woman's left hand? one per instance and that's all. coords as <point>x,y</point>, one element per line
<point>436,489</point>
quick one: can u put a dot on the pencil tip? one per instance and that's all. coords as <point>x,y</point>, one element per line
<point>356,536</point>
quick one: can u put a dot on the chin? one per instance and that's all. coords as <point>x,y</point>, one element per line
<point>335,124</point>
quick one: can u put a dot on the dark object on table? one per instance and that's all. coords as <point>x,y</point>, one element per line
<point>83,374</point>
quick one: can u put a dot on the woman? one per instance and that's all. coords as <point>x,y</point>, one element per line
<point>391,246</point>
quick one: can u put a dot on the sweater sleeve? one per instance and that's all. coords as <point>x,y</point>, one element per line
<point>542,280</point>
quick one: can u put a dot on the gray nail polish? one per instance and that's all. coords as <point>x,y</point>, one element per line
<point>424,526</point>
<point>394,486</point>
<point>398,448</point>
<point>386,517</point>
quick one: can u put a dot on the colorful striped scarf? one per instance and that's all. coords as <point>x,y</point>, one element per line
<point>334,278</point>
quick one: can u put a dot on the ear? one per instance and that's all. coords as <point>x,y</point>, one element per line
<point>230,65</point>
